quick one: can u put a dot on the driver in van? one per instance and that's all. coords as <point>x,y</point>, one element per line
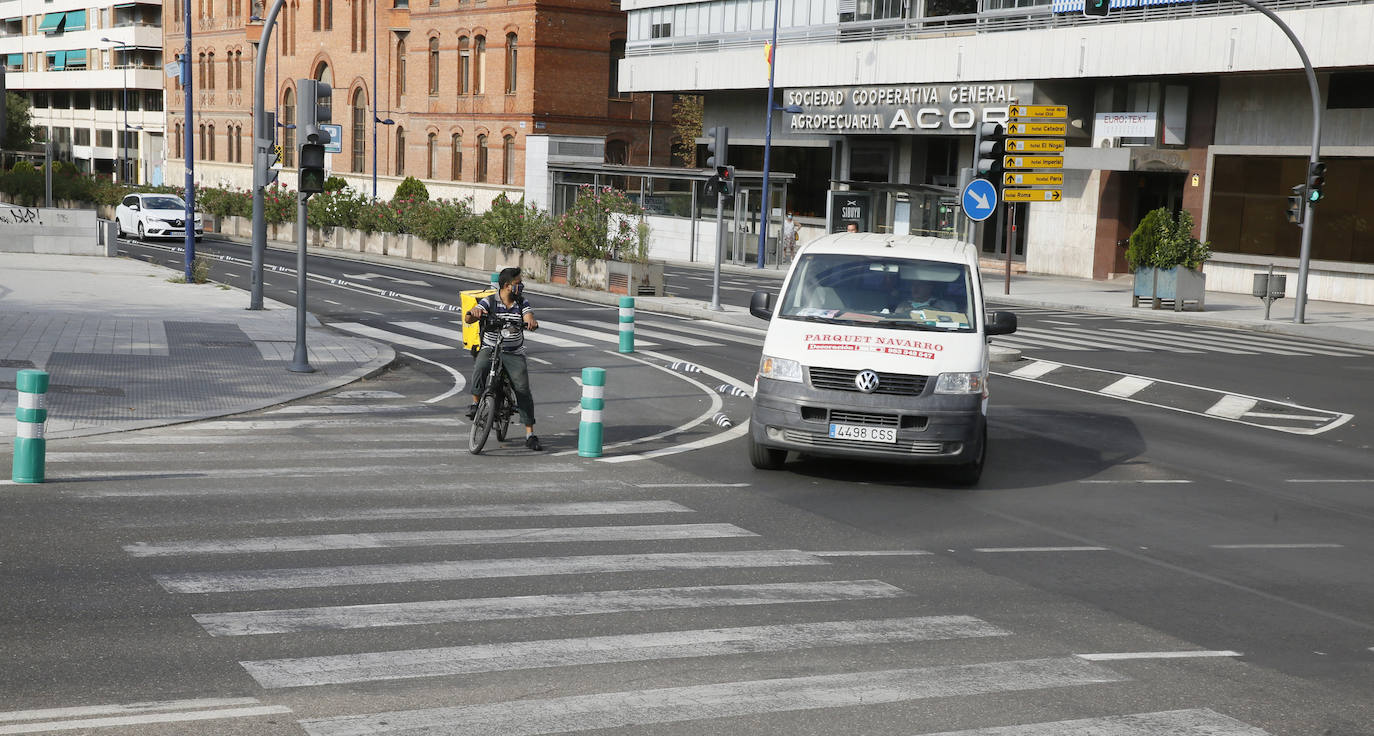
<point>926,294</point>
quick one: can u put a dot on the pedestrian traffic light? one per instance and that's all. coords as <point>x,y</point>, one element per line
<point>1316,179</point>
<point>1297,203</point>
<point>314,109</point>
<point>992,144</point>
<point>717,147</point>
<point>312,169</point>
<point>726,176</point>
<point>1096,8</point>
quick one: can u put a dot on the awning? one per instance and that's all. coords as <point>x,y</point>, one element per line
<point>76,57</point>
<point>15,60</point>
<point>76,20</point>
<point>124,5</point>
<point>57,61</point>
<point>51,22</point>
<point>13,20</point>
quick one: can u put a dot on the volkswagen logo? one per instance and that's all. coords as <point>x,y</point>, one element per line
<point>867,381</point>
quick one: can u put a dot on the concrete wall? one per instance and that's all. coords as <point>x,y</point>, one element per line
<point>1326,281</point>
<point>1062,235</point>
<point>1277,111</point>
<point>50,231</point>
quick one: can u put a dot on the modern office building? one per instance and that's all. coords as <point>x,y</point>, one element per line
<point>1190,104</point>
<point>93,74</point>
<point>457,85</point>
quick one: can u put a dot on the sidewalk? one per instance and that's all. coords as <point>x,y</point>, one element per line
<point>126,349</point>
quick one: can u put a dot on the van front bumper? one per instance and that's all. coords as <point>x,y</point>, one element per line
<point>931,428</point>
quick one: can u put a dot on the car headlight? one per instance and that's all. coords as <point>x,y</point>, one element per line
<point>780,369</point>
<point>961,383</point>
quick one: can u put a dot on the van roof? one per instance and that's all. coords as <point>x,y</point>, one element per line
<point>887,245</point>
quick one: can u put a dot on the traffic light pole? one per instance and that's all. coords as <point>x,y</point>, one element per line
<point>262,139</point>
<point>300,360</point>
<point>720,246</point>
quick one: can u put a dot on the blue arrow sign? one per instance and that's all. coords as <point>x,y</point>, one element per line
<point>979,199</point>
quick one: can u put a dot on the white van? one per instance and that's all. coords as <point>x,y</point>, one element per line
<point>877,348</point>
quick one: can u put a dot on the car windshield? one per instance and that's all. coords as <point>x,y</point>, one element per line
<point>895,293</point>
<point>164,203</point>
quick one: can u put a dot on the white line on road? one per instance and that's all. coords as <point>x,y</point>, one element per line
<point>607,336</point>
<point>245,623</point>
<point>1232,407</point>
<point>633,710</point>
<point>133,714</point>
<point>432,329</point>
<point>1057,322</point>
<point>691,485</point>
<point>331,301</point>
<point>872,553</point>
<point>459,382</point>
<point>1330,480</point>
<point>387,336</point>
<point>643,331</point>
<point>541,338</point>
<point>1318,545</point>
<point>1159,481</point>
<point>385,540</point>
<point>367,394</point>
<point>1192,722</point>
<point>1116,656</point>
<point>540,361</point>
<point>1035,370</point>
<point>1294,417</point>
<point>677,326</point>
<point>411,572</point>
<point>487,511</point>
<point>122,708</point>
<point>1127,386</point>
<point>181,717</point>
<point>325,409</point>
<point>1041,549</point>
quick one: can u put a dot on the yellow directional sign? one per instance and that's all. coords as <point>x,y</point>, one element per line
<point>1032,195</point>
<point>1038,111</point>
<point>1046,145</point>
<point>1033,162</point>
<point>1037,128</point>
<point>1019,179</point>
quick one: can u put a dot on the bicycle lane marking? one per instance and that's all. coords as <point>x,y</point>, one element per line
<point>459,383</point>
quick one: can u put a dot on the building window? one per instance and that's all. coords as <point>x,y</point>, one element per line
<point>200,68</point>
<point>617,53</point>
<point>362,24</point>
<point>319,13</point>
<point>433,66</point>
<point>429,156</point>
<point>479,66</point>
<point>482,157</point>
<point>617,152</point>
<point>455,161</point>
<point>359,130</point>
<point>329,15</point>
<point>400,151</point>
<point>210,134</point>
<point>104,138</point>
<point>512,63</point>
<point>400,69</point>
<point>202,143</point>
<point>508,160</point>
<point>288,135</point>
<point>354,11</point>
<point>464,65</point>
<point>176,144</point>
<point>210,67</point>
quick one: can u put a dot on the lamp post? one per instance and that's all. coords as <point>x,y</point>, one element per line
<point>375,120</point>
<point>768,134</point>
<point>124,134</point>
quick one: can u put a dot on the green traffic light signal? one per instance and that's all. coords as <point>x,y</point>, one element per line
<point>1096,8</point>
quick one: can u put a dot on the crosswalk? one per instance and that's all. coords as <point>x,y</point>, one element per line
<point>359,590</point>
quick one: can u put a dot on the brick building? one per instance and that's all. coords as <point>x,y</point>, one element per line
<point>459,84</point>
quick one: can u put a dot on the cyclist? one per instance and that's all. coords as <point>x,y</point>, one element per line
<point>508,314</point>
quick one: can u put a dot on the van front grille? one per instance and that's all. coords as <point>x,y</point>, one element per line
<point>816,439</point>
<point>863,418</point>
<point>839,379</point>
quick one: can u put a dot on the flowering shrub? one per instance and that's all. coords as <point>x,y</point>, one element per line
<point>515,225</point>
<point>225,202</point>
<point>278,204</point>
<point>600,224</point>
<point>338,207</point>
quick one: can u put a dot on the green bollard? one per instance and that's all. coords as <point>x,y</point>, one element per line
<point>627,324</point>
<point>593,400</point>
<point>496,281</point>
<point>29,446</point>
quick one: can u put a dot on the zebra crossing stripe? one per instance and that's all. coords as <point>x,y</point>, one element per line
<point>590,334</point>
<point>651,647</point>
<point>1034,370</point>
<point>1102,343</point>
<point>133,714</point>
<point>639,708</point>
<point>640,330</point>
<point>488,511</point>
<point>1246,345</point>
<point>1144,337</point>
<point>1028,344</point>
<point>543,338</point>
<point>1232,407</point>
<point>1192,722</point>
<point>397,338</point>
<point>717,334</point>
<point>1287,343</point>
<point>1127,386</point>
<point>414,613</point>
<point>1135,340</point>
<point>432,329</point>
<point>383,540</point>
<point>412,572</point>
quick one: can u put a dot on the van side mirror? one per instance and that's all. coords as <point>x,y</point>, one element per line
<point>1001,323</point>
<point>761,305</point>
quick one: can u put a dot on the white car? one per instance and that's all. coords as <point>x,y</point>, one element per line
<point>154,216</point>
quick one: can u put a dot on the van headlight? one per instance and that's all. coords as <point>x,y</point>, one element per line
<point>780,369</point>
<point>960,383</point>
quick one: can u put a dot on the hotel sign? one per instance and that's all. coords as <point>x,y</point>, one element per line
<point>926,109</point>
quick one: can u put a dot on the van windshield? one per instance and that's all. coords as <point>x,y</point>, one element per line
<point>896,293</point>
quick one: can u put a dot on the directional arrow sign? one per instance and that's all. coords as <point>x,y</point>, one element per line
<point>1032,195</point>
<point>979,199</point>
<point>1033,162</point>
<point>1037,129</point>
<point>1046,145</point>
<point>369,276</point>
<point>1038,111</point>
<point>1018,179</point>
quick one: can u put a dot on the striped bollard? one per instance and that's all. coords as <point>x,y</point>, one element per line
<point>29,445</point>
<point>627,324</point>
<point>496,281</point>
<point>593,399</point>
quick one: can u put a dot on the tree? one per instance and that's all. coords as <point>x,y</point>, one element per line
<point>18,122</point>
<point>687,113</point>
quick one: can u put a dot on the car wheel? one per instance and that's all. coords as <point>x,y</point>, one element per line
<point>141,236</point>
<point>765,458</point>
<point>968,474</point>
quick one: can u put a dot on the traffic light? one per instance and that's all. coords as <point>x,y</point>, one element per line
<point>1316,179</point>
<point>992,144</point>
<point>314,109</point>
<point>725,175</point>
<point>1297,203</point>
<point>717,147</point>
<point>312,169</point>
<point>1096,8</point>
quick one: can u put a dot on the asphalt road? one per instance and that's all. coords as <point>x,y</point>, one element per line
<point>1130,564</point>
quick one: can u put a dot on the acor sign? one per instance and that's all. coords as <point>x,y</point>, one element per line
<point>915,109</point>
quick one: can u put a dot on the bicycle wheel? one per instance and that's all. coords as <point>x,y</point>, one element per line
<point>503,409</point>
<point>481,424</point>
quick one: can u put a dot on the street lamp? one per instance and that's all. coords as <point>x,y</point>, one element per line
<point>768,134</point>
<point>124,135</point>
<point>375,120</point>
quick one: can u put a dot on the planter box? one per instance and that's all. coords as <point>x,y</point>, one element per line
<point>451,253</point>
<point>534,266</point>
<point>560,270</point>
<point>590,274</point>
<point>634,279</point>
<point>1177,285</point>
<point>480,256</point>
<point>419,249</point>
<point>505,258</point>
<point>373,243</point>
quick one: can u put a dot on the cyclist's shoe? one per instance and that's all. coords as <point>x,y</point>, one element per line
<point>472,411</point>
<point>532,442</point>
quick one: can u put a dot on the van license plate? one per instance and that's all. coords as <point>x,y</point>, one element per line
<point>862,433</point>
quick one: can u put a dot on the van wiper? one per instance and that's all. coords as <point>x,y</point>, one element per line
<point>825,320</point>
<point>911,324</point>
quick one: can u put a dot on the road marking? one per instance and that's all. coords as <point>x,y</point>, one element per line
<point>1134,339</point>
<point>656,646</point>
<point>413,343</point>
<point>324,409</point>
<point>642,331</point>
<point>540,338</point>
<point>489,511</point>
<point>134,714</point>
<point>540,361</point>
<point>1232,407</point>
<point>1291,344</point>
<point>716,334</point>
<point>1251,344</point>
<point>1278,546</point>
<point>633,710</point>
<point>592,334</point>
<point>1117,656</point>
<point>1145,337</point>
<point>1160,481</point>
<point>367,394</point>
<point>329,577</point>
<point>1041,549</point>
<point>728,435</point>
<point>1027,344</point>
<point>1330,480</point>
<point>245,623</point>
<point>1035,370</point>
<point>1192,722</point>
<point>1047,340</point>
<point>387,540</point>
<point>432,329</point>
<point>331,301</point>
<point>873,553</point>
<point>459,382</point>
<point>1294,417</point>
<point>1127,386</point>
<point>691,485</point>
<point>1095,341</point>
<point>1057,322</point>
<point>122,709</point>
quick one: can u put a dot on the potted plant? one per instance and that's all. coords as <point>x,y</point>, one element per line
<point>1167,261</point>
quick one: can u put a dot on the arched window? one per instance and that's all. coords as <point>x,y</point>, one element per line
<point>288,135</point>
<point>400,151</point>
<point>482,157</point>
<point>455,161</point>
<point>202,143</point>
<point>613,86</point>
<point>429,155</point>
<point>200,69</point>
<point>434,66</point>
<point>210,67</point>
<point>512,64</point>
<point>324,74</point>
<point>210,133</point>
<point>400,69</point>
<point>177,144</point>
<point>359,130</point>
<point>479,65</point>
<point>464,65</point>
<point>508,160</point>
<point>617,152</point>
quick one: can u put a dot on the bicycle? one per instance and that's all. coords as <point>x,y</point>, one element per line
<point>496,405</point>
